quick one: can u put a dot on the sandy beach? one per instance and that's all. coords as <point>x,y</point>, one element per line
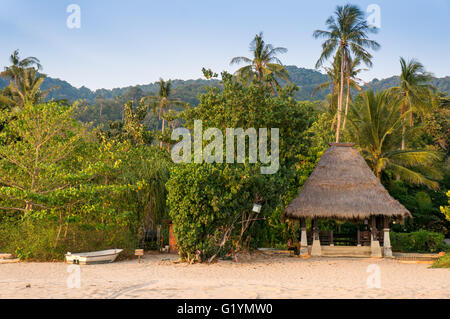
<point>256,276</point>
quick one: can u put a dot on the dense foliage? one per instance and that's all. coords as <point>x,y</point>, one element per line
<point>95,174</point>
<point>211,204</point>
<point>420,241</point>
<point>189,90</point>
<point>63,189</point>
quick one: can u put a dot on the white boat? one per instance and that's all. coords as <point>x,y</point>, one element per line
<point>96,257</point>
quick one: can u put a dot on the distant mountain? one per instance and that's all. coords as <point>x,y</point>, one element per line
<point>188,90</point>
<point>307,80</point>
<point>442,84</point>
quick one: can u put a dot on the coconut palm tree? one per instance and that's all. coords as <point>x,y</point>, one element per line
<point>17,67</point>
<point>264,65</point>
<point>351,79</point>
<point>415,90</point>
<point>351,73</point>
<point>334,74</point>
<point>376,120</point>
<point>27,89</point>
<point>24,81</point>
<point>163,102</point>
<point>347,33</point>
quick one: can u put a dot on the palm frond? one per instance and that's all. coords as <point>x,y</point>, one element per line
<point>412,177</point>
<point>415,158</point>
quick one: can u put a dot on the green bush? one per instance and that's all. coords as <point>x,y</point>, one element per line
<point>206,200</point>
<point>209,202</point>
<point>38,239</point>
<point>68,188</point>
<point>442,262</point>
<point>420,241</point>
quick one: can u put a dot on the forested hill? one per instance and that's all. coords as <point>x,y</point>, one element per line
<point>442,84</point>
<point>188,90</point>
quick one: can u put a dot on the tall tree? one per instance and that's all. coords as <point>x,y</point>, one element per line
<point>334,75</point>
<point>27,89</point>
<point>43,159</point>
<point>415,90</point>
<point>264,65</point>
<point>347,33</point>
<point>163,101</point>
<point>24,81</point>
<point>351,74</point>
<point>375,124</point>
<point>17,67</point>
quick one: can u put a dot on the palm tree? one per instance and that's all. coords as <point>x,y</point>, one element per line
<point>264,66</point>
<point>28,87</point>
<point>414,90</point>
<point>375,124</point>
<point>18,66</point>
<point>24,81</point>
<point>347,32</point>
<point>351,74</point>
<point>163,102</point>
<point>352,82</point>
<point>334,74</point>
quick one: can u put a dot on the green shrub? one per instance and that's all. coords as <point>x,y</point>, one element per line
<point>420,241</point>
<point>442,262</point>
<point>37,239</point>
<point>210,202</point>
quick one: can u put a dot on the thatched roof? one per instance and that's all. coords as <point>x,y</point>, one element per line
<point>342,186</point>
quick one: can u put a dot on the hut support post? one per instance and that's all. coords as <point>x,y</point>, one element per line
<point>331,238</point>
<point>303,241</point>
<point>358,238</point>
<point>316,250</point>
<point>387,249</point>
<point>375,248</point>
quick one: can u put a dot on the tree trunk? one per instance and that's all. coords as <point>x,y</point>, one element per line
<point>403,135</point>
<point>258,72</point>
<point>346,103</point>
<point>403,128</point>
<point>161,114</point>
<point>28,206</point>
<point>341,92</point>
<point>162,131</point>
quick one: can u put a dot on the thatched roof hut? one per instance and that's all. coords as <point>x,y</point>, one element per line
<point>342,186</point>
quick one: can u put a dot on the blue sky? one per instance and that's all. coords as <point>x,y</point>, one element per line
<point>123,43</point>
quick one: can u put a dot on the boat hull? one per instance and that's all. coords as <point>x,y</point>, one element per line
<point>90,258</point>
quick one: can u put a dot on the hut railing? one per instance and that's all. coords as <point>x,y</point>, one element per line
<point>325,237</point>
<point>363,237</point>
<point>330,238</point>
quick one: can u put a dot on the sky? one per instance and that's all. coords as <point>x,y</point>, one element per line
<point>122,43</point>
